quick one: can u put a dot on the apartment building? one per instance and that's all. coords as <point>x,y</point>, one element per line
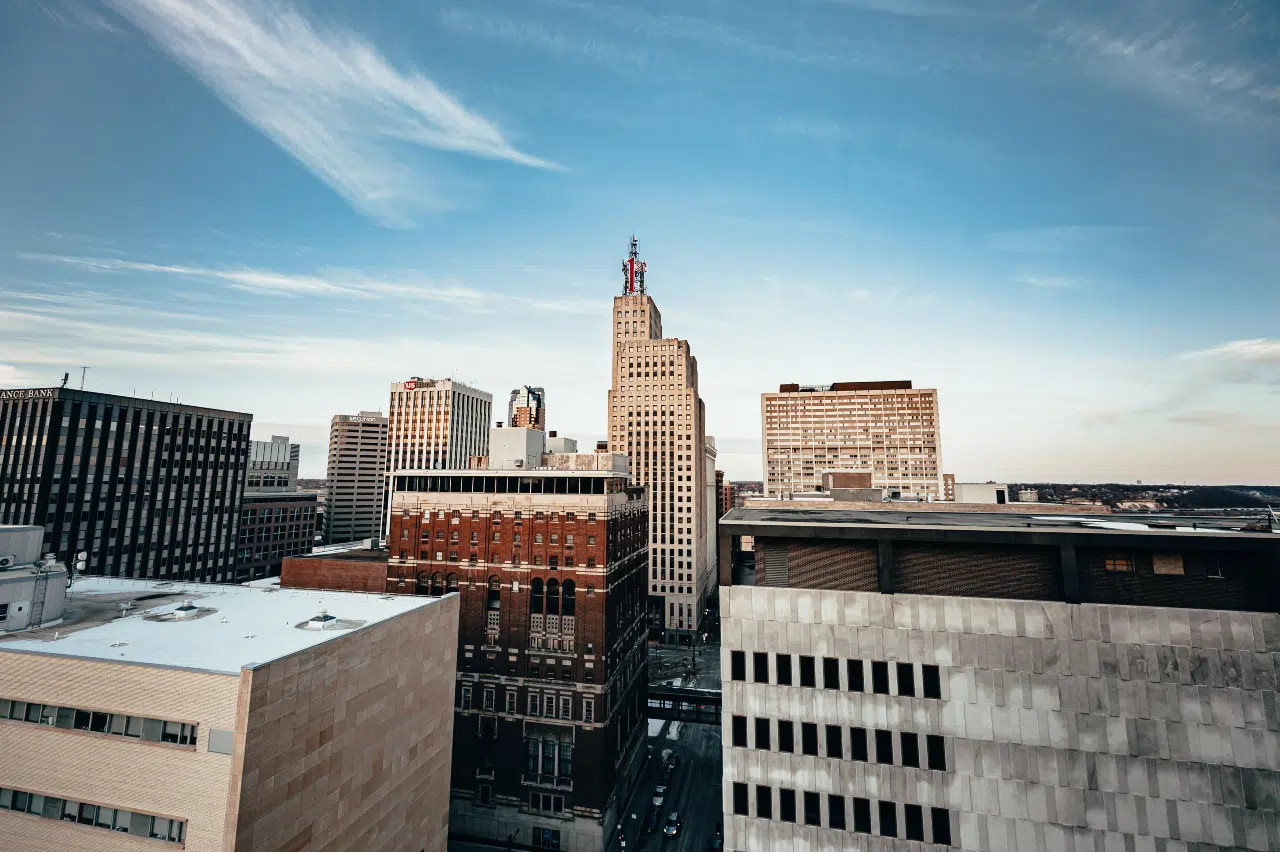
<point>889,429</point>
<point>549,563</point>
<point>273,465</point>
<point>145,488</point>
<point>995,681</point>
<point>164,715</point>
<point>356,477</point>
<point>273,525</point>
<point>528,408</point>
<point>657,418</point>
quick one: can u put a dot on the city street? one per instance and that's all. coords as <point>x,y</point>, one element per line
<point>693,793</point>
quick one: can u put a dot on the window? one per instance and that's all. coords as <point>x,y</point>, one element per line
<point>533,704</point>
<point>762,732</point>
<point>809,738</point>
<point>764,802</point>
<point>914,820</point>
<point>861,815</point>
<point>486,795</point>
<point>760,666</point>
<point>740,798</point>
<point>936,752</point>
<point>855,676</point>
<point>782,666</point>
<point>830,674</point>
<point>511,702</point>
<point>941,820</point>
<point>566,707</point>
<point>88,814</point>
<point>884,747</point>
<point>888,819</point>
<point>739,731</point>
<point>910,750</point>
<point>906,679</point>
<point>1117,563</point>
<point>812,809</point>
<point>931,681</point>
<point>738,666</point>
<point>835,811</point>
<point>545,839</point>
<point>806,672</point>
<point>835,749</point>
<point>858,744</point>
<point>879,676</point>
<point>787,805</point>
<point>786,736</point>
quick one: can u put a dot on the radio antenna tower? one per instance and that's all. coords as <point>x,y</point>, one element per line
<point>633,270</point>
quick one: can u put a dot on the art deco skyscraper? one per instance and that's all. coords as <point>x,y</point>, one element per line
<point>657,418</point>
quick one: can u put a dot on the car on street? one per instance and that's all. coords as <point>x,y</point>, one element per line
<point>672,828</point>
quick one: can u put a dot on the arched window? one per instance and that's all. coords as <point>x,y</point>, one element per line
<point>535,595</point>
<point>553,597</point>
<point>421,585</point>
<point>570,602</point>
<point>495,593</point>
<point>451,582</point>
<point>437,584</point>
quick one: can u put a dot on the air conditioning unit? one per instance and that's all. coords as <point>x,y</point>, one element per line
<point>8,561</point>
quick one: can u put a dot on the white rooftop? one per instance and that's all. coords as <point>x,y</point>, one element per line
<point>233,626</point>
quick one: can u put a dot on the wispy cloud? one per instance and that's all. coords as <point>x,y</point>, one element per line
<point>1047,281</point>
<point>328,97</point>
<point>807,128</point>
<point>343,283</point>
<point>1261,351</point>
<point>518,31</point>
<point>1061,238</point>
<point>908,8</point>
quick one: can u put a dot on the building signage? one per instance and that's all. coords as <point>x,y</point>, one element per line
<point>28,393</point>
<point>411,384</point>
<point>358,420</point>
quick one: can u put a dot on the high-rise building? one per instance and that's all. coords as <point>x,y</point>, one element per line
<point>886,428</point>
<point>273,465</point>
<point>1000,681</point>
<point>356,477</point>
<point>161,716</point>
<point>528,408</point>
<point>548,555</point>
<point>435,423</point>
<point>276,520</point>
<point>145,488</point>
<point>657,418</point>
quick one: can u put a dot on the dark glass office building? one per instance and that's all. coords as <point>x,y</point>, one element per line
<point>146,488</point>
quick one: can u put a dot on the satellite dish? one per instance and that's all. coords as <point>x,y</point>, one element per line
<point>82,555</point>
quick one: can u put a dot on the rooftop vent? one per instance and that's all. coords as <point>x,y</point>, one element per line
<point>186,610</point>
<point>324,621</point>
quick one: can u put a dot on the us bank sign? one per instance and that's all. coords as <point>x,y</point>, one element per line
<point>28,393</point>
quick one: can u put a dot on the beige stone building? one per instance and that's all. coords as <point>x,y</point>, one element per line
<point>355,478</point>
<point>886,428</point>
<point>162,715</point>
<point>657,418</point>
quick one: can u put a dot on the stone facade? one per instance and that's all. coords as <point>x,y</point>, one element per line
<point>1062,726</point>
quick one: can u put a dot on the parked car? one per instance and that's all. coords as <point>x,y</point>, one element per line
<point>672,829</point>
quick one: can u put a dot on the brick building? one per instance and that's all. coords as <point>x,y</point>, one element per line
<point>528,408</point>
<point>549,563</point>
<point>163,716</point>
<point>995,681</point>
<point>355,569</point>
<point>273,525</point>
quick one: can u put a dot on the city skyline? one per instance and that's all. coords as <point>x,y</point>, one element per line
<point>984,197</point>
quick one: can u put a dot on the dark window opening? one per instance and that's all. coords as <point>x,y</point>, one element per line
<point>831,674</point>
<point>884,747</point>
<point>812,809</point>
<point>807,678</point>
<point>782,664</point>
<point>861,815</point>
<point>764,802</point>
<point>835,811</point>
<point>762,733</point>
<point>787,805</point>
<point>936,751</point>
<point>760,667</point>
<point>906,679</point>
<point>941,820</point>
<point>809,738</point>
<point>910,750</point>
<point>888,819</point>
<point>932,681</point>
<point>739,731</point>
<point>740,798</point>
<point>914,819</point>
<point>835,749</point>
<point>879,676</point>
<point>738,666</point>
<point>855,676</point>
<point>858,745</point>
<point>786,736</point>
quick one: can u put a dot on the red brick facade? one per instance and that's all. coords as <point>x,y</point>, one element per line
<point>347,571</point>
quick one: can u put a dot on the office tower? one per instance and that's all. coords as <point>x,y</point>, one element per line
<point>160,716</point>
<point>145,488</point>
<point>355,478</point>
<point>276,520</point>
<point>657,418</point>
<point>886,428</point>
<point>528,408</point>
<point>273,465</point>
<point>437,423</point>
<point>995,681</point>
<point>549,561</point>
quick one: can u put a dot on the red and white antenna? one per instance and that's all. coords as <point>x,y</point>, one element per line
<point>633,270</point>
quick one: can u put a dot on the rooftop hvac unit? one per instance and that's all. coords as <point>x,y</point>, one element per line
<point>8,561</point>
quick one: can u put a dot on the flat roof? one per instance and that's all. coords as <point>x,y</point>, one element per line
<point>510,472</point>
<point>356,554</point>
<point>813,522</point>
<point>234,626</point>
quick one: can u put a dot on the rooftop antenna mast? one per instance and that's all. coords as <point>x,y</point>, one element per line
<point>83,370</point>
<point>633,270</point>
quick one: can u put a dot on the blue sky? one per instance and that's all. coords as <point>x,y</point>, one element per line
<point>1064,216</point>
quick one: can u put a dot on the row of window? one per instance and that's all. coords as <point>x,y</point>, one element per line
<point>88,814</point>
<point>540,704</point>
<point>909,752</point>
<point>473,558</point>
<point>838,817</point>
<point>855,674</point>
<point>121,725</point>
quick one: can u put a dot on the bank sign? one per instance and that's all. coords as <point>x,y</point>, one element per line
<point>28,393</point>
